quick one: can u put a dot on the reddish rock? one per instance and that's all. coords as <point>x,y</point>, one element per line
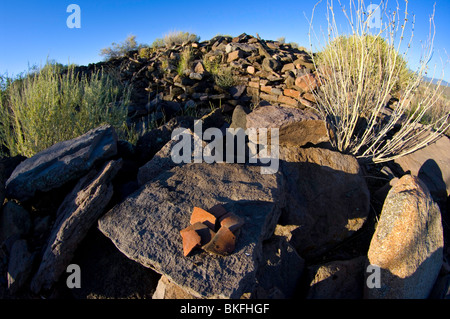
<point>205,233</point>
<point>231,221</point>
<point>287,101</point>
<point>202,216</point>
<point>292,93</point>
<point>307,82</point>
<point>235,55</point>
<point>223,242</point>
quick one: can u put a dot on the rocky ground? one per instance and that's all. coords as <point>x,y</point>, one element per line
<point>309,231</point>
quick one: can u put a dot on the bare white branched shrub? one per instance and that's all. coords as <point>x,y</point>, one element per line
<point>361,70</point>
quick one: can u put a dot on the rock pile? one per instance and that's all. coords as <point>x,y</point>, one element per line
<point>223,71</point>
<point>322,226</point>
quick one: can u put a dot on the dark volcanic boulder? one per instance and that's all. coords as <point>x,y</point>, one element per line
<point>327,197</point>
<point>79,211</point>
<point>146,226</point>
<point>61,163</point>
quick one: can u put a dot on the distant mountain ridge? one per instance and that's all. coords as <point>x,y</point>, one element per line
<point>436,81</point>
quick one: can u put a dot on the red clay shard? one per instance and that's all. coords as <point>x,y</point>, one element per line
<point>223,243</point>
<point>202,216</point>
<point>217,210</point>
<point>231,221</point>
<point>190,240</point>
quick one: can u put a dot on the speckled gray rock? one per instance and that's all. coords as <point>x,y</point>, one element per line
<point>146,226</point>
<point>79,211</point>
<point>63,162</point>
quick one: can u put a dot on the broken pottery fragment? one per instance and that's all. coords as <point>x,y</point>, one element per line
<point>202,216</point>
<point>223,242</point>
<point>217,210</point>
<point>190,240</point>
<point>231,221</point>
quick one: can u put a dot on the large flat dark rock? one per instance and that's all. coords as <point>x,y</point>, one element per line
<point>146,226</point>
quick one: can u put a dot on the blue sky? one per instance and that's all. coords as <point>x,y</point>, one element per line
<point>31,31</point>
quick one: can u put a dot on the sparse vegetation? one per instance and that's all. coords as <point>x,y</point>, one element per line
<point>358,74</point>
<point>120,49</point>
<point>223,77</point>
<point>185,61</point>
<point>175,37</point>
<point>47,107</point>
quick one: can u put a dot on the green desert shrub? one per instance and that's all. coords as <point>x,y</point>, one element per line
<point>47,107</point>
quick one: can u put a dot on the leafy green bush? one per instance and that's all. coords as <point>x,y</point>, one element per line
<point>47,107</point>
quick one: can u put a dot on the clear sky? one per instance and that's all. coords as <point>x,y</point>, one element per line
<point>31,31</point>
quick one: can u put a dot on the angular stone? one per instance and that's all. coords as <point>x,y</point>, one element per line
<point>223,243</point>
<point>237,91</point>
<point>292,93</point>
<point>408,242</point>
<point>280,271</point>
<point>307,82</point>
<point>61,163</point>
<point>168,290</point>
<point>288,67</point>
<point>202,216</point>
<point>432,165</point>
<point>251,69</point>
<point>271,65</point>
<point>195,76</point>
<point>15,222</point>
<point>145,226</point>
<point>199,68</point>
<point>340,279</point>
<point>284,100</point>
<point>327,197</point>
<point>78,212</point>
<point>235,55</point>
<point>296,126</point>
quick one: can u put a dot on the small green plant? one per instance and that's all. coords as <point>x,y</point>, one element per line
<point>120,49</point>
<point>223,77</point>
<point>47,107</point>
<point>185,61</point>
